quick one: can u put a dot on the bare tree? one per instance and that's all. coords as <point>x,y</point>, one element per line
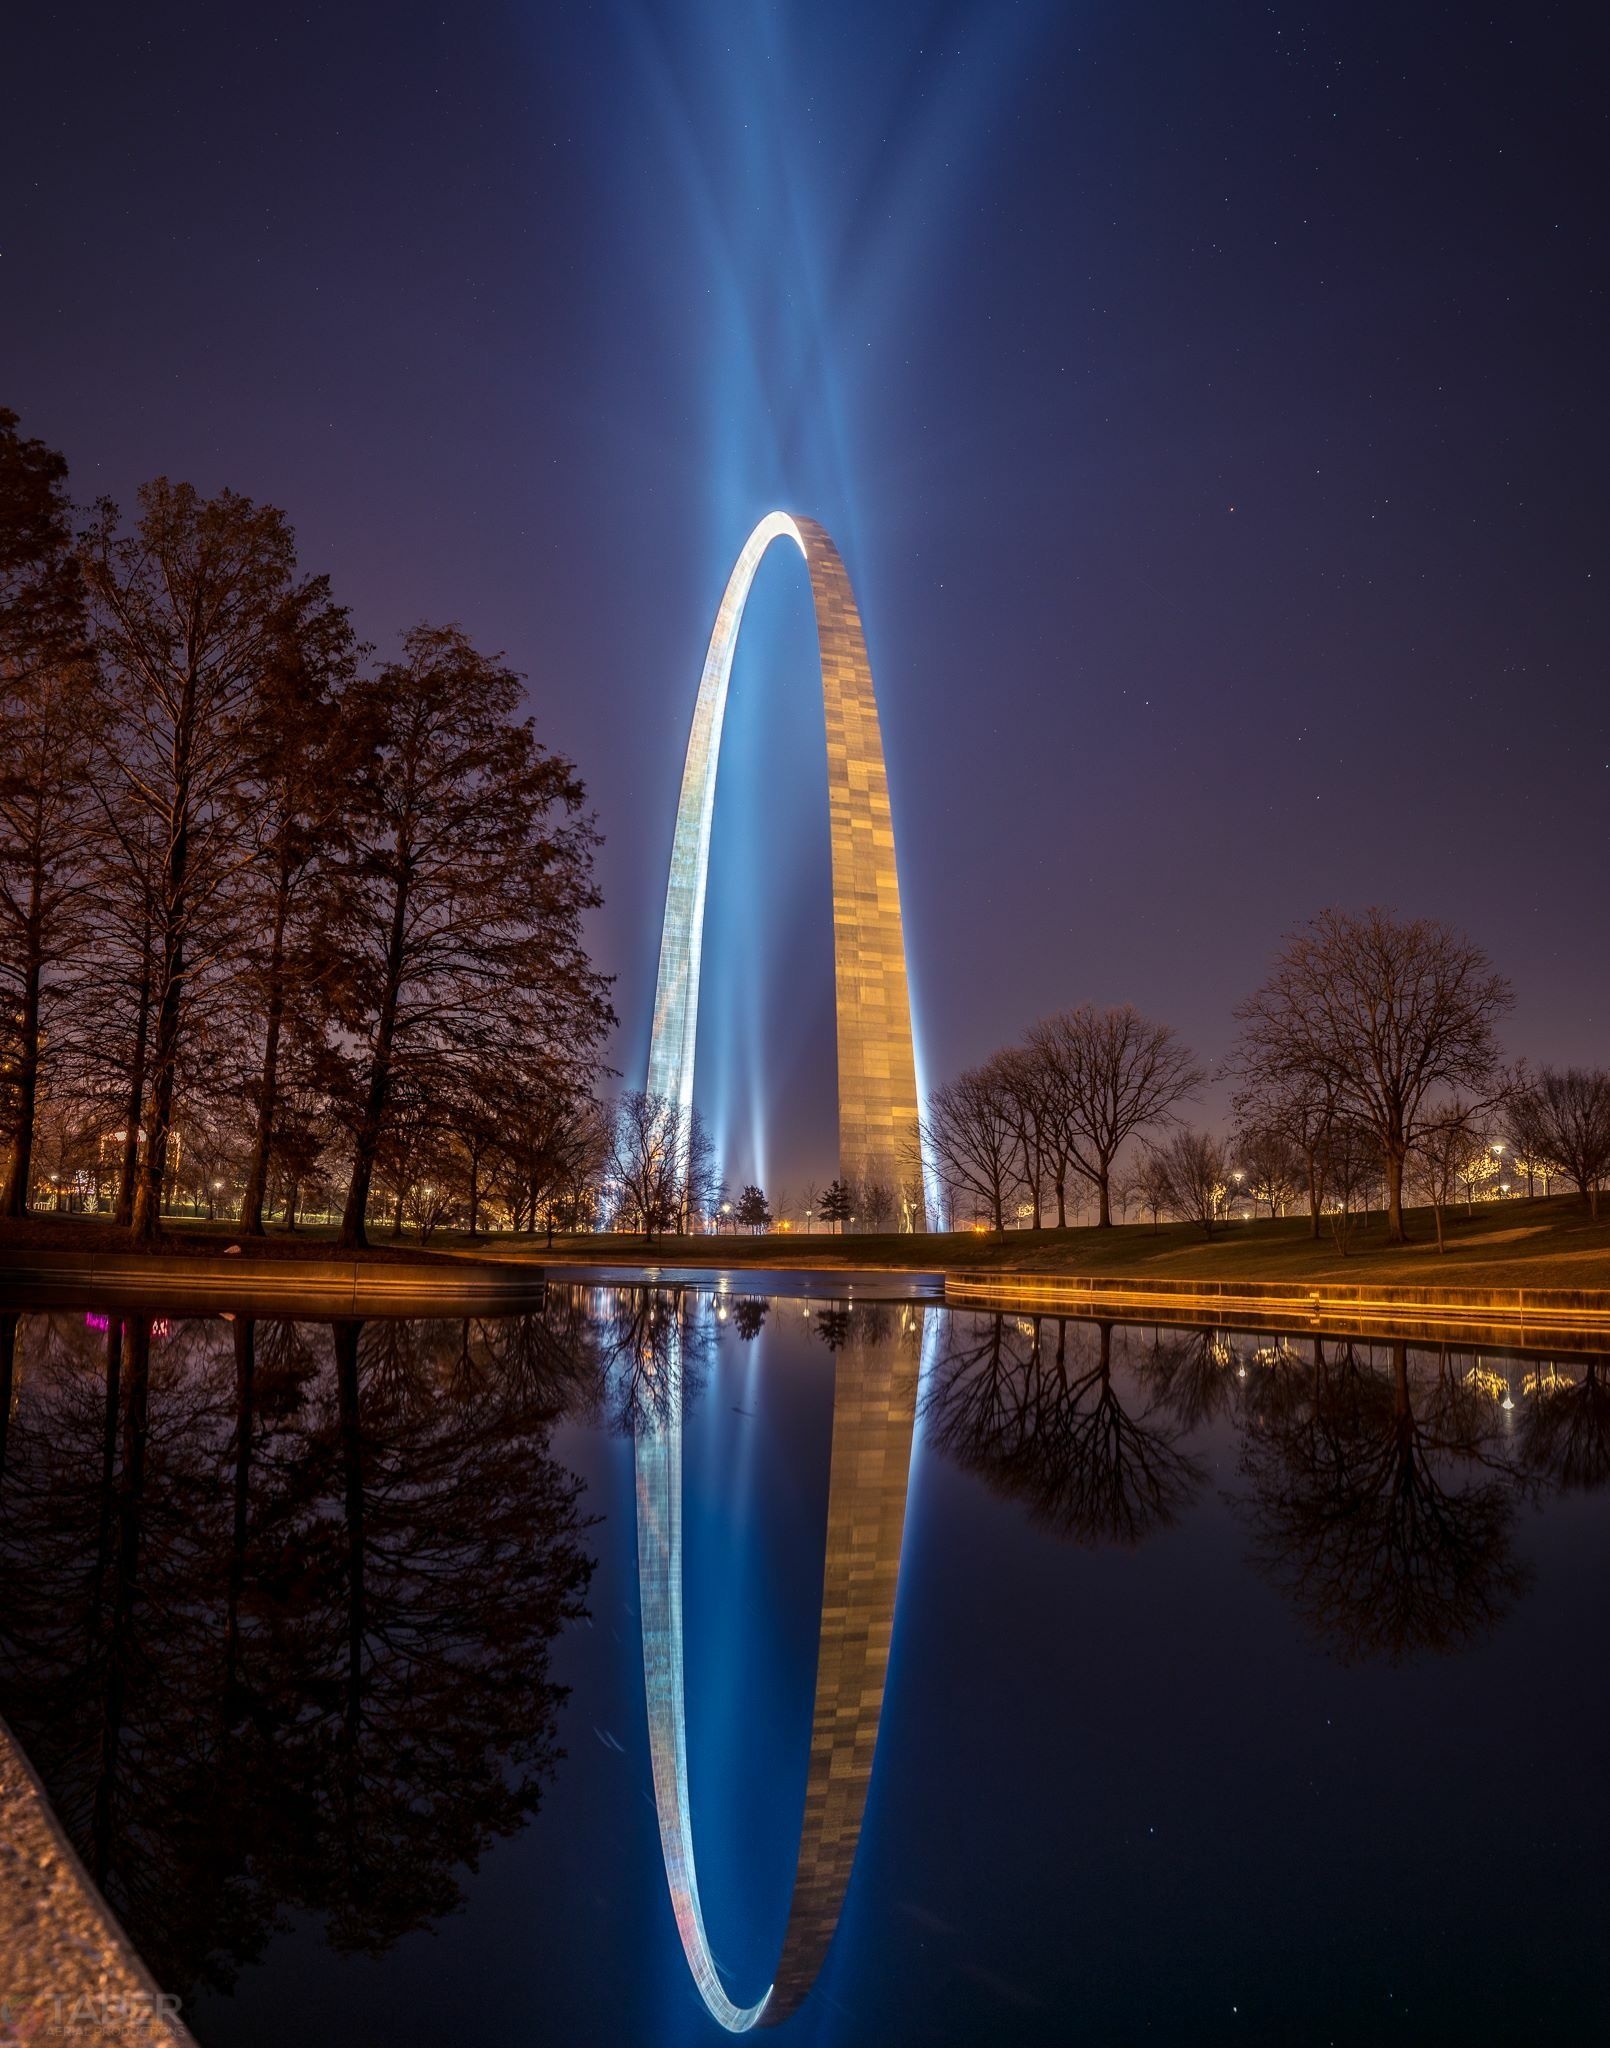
<point>1271,1164</point>
<point>1300,1112</point>
<point>295,795</point>
<point>552,1143</point>
<point>971,1135</point>
<point>472,869</point>
<point>1352,1169</point>
<point>703,1190</point>
<point>1143,1183</point>
<point>1110,1073</point>
<point>1382,1013</point>
<point>187,608</point>
<point>1029,1097</point>
<point>647,1163</point>
<point>1190,1171</point>
<point>1447,1142</point>
<point>1563,1116</point>
<point>46,819</point>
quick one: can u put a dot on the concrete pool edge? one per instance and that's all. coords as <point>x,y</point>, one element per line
<point>1511,1314</point>
<point>67,1965</point>
<point>356,1286</point>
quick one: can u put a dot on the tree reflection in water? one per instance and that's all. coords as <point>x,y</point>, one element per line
<point>1381,1497</point>
<point>650,1343</point>
<point>1031,1405</point>
<point>276,1603</point>
<point>1382,1503</point>
<point>1565,1436</point>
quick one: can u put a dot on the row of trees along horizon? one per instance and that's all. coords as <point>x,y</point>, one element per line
<point>273,913</point>
<point>286,926</point>
<point>1367,1072</point>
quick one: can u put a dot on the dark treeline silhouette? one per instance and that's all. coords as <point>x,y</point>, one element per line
<point>1379,1484</point>
<point>1038,1121</point>
<point>1031,1404</point>
<point>1367,1066</point>
<point>1383,1506</point>
<point>276,1603</point>
<point>281,925</point>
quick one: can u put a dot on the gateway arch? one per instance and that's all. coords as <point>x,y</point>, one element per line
<point>875,1385</point>
<point>877,1075</point>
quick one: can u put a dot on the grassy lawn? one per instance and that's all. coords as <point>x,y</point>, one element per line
<point>41,1233</point>
<point>1517,1243</point>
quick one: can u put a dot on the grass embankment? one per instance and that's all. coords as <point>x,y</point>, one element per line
<point>1516,1243</point>
<point>184,1239</point>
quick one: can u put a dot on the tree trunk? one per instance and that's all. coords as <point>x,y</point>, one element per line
<point>1313,1196</point>
<point>8,1367</point>
<point>130,1515</point>
<point>165,1050</point>
<point>1033,1180</point>
<point>251,1207</point>
<point>245,1417</point>
<point>130,1164</point>
<point>153,1172</point>
<point>1394,1197</point>
<point>112,1408</point>
<point>1062,1201</point>
<point>1104,1194</point>
<point>25,1071</point>
<point>346,1337</point>
<point>379,1090</point>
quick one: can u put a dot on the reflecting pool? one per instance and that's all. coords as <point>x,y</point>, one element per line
<point>673,1661</point>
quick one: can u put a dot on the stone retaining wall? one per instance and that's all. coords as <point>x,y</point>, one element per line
<point>1576,1319</point>
<point>264,1286</point>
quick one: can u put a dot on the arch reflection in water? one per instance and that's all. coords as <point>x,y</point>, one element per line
<point>875,1379</point>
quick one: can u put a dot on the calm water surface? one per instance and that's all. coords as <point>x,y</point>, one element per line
<point>428,1681</point>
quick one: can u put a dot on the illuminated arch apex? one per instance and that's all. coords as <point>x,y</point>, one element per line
<point>877,1075</point>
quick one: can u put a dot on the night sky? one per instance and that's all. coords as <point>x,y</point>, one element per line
<point>1209,402</point>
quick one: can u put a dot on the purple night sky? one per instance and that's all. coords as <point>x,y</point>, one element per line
<point>1209,403</point>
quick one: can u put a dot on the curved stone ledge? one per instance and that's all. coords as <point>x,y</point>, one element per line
<point>67,1972</point>
<point>1560,1318</point>
<point>265,1286</point>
